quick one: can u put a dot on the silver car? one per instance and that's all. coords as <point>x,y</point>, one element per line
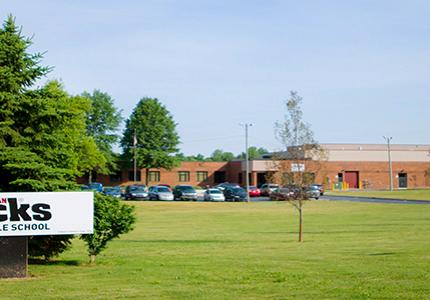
<point>313,192</point>
<point>267,188</point>
<point>160,193</point>
<point>213,195</point>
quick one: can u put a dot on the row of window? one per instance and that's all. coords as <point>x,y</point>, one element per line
<point>154,176</point>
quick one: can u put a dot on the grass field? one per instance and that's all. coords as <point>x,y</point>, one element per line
<point>248,251</point>
<point>418,194</point>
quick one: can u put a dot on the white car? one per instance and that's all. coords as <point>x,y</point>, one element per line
<point>160,193</point>
<point>214,195</point>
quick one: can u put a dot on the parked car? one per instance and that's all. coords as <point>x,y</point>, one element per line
<point>297,192</point>
<point>320,187</point>
<point>267,188</point>
<point>112,191</point>
<point>234,194</point>
<point>96,186</point>
<point>254,191</point>
<point>166,185</point>
<point>135,192</point>
<point>313,191</point>
<point>281,194</point>
<point>213,195</point>
<point>185,192</point>
<point>160,193</point>
<point>224,185</point>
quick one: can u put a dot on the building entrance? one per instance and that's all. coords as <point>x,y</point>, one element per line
<point>403,180</point>
<point>351,177</point>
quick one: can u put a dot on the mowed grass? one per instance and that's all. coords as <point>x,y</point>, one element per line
<point>183,250</point>
<point>415,194</point>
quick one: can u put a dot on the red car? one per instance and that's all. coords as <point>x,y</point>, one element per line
<point>254,191</point>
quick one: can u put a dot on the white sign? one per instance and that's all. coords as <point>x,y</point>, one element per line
<point>51,213</point>
<point>297,167</point>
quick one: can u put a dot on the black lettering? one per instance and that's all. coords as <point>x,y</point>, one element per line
<point>41,210</point>
<point>3,217</point>
<point>16,212</point>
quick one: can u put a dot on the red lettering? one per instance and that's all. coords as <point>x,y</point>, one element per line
<point>3,200</point>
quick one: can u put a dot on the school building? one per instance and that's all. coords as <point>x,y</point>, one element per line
<point>358,165</point>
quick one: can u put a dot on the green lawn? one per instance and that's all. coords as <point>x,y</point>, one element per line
<point>418,194</point>
<point>183,250</point>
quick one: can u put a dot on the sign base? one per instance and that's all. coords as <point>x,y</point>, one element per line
<point>13,257</point>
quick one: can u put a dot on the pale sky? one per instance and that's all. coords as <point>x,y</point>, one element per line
<point>362,67</point>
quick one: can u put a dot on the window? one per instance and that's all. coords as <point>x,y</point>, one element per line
<point>184,176</point>
<point>202,176</point>
<point>131,175</point>
<point>219,176</point>
<point>154,176</point>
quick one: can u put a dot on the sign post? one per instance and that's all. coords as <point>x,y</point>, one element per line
<point>48,213</point>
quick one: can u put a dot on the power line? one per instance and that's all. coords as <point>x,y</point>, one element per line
<point>212,139</point>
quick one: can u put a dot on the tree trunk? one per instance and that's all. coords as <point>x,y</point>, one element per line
<point>300,224</point>
<point>92,259</point>
<point>90,177</point>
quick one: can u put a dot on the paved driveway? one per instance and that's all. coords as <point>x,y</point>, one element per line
<point>373,200</point>
<point>357,199</point>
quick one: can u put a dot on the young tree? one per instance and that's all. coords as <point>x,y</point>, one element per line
<point>300,145</point>
<point>111,219</point>
<point>151,132</point>
<point>103,121</point>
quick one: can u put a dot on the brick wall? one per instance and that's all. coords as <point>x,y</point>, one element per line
<point>375,174</point>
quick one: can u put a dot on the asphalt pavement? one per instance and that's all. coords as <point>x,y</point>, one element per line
<point>357,199</point>
<point>374,200</point>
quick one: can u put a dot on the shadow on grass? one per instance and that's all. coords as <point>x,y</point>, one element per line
<point>39,261</point>
<point>180,241</point>
<point>321,232</point>
<point>382,254</point>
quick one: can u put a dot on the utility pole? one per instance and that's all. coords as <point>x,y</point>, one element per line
<point>135,156</point>
<point>247,160</point>
<point>390,167</point>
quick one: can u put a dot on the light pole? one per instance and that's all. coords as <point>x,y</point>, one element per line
<point>388,139</point>
<point>246,125</point>
<point>135,156</point>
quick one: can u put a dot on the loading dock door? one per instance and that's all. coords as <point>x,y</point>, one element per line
<point>351,177</point>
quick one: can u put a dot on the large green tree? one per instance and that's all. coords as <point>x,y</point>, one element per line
<point>103,121</point>
<point>220,155</point>
<point>42,131</point>
<point>18,71</point>
<point>151,132</point>
<point>253,153</point>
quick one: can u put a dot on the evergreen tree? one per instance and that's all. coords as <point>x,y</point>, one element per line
<point>42,131</point>
<point>19,70</point>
